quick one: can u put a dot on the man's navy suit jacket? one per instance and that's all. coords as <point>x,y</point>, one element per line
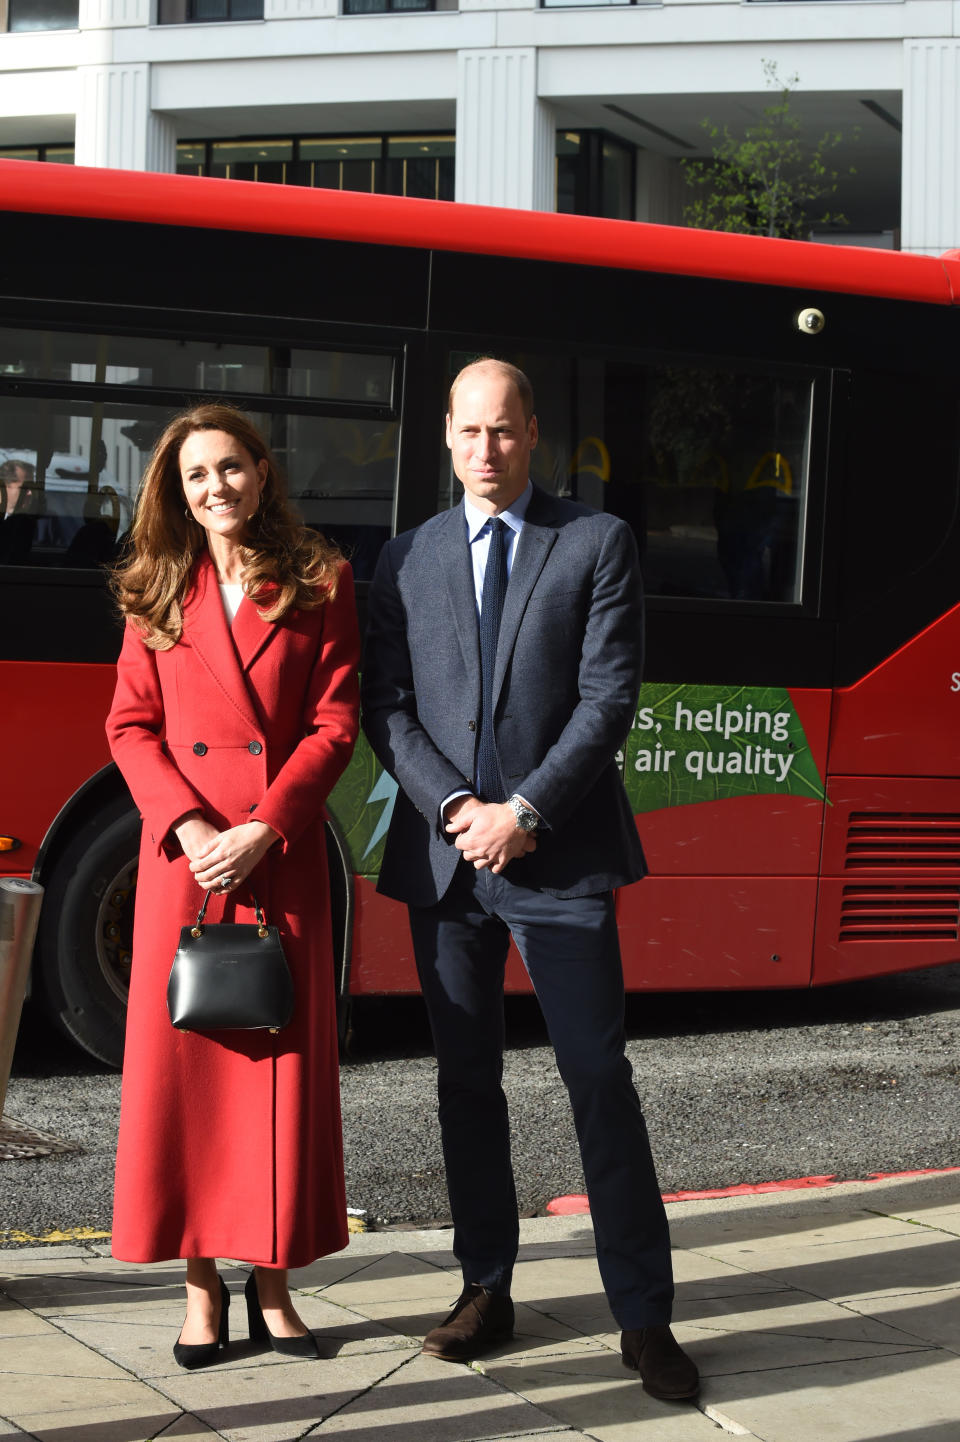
<point>568,668</point>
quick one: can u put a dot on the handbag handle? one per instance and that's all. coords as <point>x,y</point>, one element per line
<point>197,930</point>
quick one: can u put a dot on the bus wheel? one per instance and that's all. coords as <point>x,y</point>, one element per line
<point>85,938</point>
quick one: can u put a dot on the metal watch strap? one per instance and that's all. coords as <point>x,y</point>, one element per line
<point>527,820</point>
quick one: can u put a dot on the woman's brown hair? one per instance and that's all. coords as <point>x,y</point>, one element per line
<point>285,565</point>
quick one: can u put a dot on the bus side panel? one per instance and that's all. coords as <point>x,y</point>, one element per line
<point>52,735</point>
<point>890,894</point>
<point>382,954</point>
<point>763,818</point>
<point>680,933</point>
<point>902,718</point>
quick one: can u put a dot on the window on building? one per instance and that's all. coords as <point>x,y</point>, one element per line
<point>390,7</point>
<point>42,14</point>
<point>567,4</point>
<point>418,165</point>
<point>55,154</point>
<point>595,174</point>
<point>200,12</point>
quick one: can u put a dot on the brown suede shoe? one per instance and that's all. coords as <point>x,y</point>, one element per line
<point>479,1321</point>
<point>665,1369</point>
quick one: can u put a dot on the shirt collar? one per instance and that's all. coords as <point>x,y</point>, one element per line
<point>513,515</point>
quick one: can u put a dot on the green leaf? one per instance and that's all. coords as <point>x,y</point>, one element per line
<point>361,803</point>
<point>708,743</point>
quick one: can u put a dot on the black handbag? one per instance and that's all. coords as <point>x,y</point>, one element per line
<point>230,976</point>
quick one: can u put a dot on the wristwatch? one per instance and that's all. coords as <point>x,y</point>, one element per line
<point>527,820</point>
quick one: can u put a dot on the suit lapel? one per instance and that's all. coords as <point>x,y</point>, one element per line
<point>210,637</point>
<point>533,548</point>
<point>457,569</point>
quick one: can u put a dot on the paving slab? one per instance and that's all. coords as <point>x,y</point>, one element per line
<point>595,1393</point>
<point>431,1401</point>
<point>277,1403</point>
<point>16,1321</point>
<point>186,1429</point>
<point>140,1335</point>
<point>922,1260</point>
<point>932,1317</point>
<point>863,1400</point>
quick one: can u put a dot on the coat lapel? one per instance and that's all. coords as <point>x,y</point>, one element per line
<point>457,570</point>
<point>211,639</point>
<point>533,548</point>
<point>250,634</point>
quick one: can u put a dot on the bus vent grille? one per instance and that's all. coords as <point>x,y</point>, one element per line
<point>903,840</point>
<point>899,913</point>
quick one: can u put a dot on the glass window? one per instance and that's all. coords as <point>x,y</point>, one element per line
<point>344,163</point>
<point>62,508</point>
<point>180,12</point>
<point>383,7</point>
<point>421,165</point>
<point>55,154</point>
<point>251,160</point>
<point>594,174</point>
<point>43,14</point>
<point>70,468</point>
<point>209,367</point>
<point>708,467</point>
<point>342,476</point>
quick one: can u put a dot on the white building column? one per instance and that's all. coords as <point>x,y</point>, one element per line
<point>505,133</point>
<point>115,125</point>
<point>930,209</point>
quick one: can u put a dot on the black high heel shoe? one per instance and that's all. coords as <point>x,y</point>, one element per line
<point>305,1346</point>
<point>190,1355</point>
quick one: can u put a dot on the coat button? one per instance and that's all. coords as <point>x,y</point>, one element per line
<point>199,749</point>
<point>255,748</point>
<point>471,725</point>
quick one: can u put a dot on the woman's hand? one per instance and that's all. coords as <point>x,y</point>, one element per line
<point>226,858</point>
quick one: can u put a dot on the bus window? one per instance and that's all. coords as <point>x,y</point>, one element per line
<point>342,475</point>
<point>708,467</point>
<point>208,367</point>
<point>83,468</point>
<point>70,468</point>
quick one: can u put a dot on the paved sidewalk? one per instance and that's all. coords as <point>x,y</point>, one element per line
<point>815,1316</point>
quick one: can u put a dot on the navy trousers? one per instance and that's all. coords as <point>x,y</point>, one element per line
<point>572,954</point>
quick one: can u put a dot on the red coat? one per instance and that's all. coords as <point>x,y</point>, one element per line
<point>230,1145</point>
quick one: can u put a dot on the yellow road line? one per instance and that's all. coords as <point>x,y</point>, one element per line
<point>70,1234</point>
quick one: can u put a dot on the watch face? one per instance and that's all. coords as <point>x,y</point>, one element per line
<point>527,820</point>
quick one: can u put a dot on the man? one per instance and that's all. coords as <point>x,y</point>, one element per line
<point>502,666</point>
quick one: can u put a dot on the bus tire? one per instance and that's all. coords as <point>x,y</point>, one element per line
<point>85,935</point>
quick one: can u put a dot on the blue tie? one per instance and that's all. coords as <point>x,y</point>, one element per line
<point>489,783</point>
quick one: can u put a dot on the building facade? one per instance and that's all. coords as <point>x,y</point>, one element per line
<point>537,104</point>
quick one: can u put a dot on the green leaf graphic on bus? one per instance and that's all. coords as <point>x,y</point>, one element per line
<point>361,804</point>
<point>708,743</point>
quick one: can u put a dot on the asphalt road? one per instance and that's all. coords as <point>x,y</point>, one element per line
<point>736,1088</point>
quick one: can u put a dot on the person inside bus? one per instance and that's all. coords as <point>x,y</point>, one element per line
<point>19,506</point>
<point>503,658</point>
<point>234,714</point>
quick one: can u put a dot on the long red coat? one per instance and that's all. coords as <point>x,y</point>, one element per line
<point>230,1144</point>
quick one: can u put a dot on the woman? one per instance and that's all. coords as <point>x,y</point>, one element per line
<point>234,714</point>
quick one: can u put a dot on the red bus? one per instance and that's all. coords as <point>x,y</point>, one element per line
<point>777,421</point>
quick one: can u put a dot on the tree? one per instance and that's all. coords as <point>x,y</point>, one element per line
<point>768,182</point>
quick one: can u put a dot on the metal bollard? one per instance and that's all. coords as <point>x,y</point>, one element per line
<point>19,913</point>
